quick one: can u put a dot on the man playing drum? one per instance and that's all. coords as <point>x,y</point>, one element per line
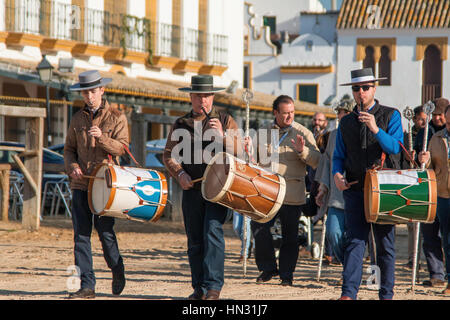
<point>203,219</point>
<point>363,135</point>
<point>96,132</point>
<point>296,149</point>
<point>439,154</point>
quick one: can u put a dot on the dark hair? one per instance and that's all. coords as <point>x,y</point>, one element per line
<point>281,99</point>
<point>418,110</point>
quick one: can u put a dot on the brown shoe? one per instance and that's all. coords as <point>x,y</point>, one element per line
<point>434,282</point>
<point>197,295</point>
<point>212,295</point>
<point>447,290</point>
<point>83,293</point>
<point>345,298</point>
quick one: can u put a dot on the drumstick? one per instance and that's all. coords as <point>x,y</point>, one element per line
<point>197,180</point>
<point>92,177</point>
<point>352,183</point>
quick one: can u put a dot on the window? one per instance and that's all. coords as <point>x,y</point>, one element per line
<point>308,92</point>
<point>384,67</point>
<point>378,54</point>
<point>369,60</point>
<point>272,23</point>
<point>247,81</point>
<point>309,45</point>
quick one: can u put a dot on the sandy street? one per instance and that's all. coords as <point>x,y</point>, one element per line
<point>36,266</point>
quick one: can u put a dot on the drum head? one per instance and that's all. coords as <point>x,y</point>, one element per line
<point>99,193</point>
<point>217,177</point>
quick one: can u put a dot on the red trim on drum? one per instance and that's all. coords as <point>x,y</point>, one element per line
<point>432,199</point>
<point>113,189</point>
<point>162,198</point>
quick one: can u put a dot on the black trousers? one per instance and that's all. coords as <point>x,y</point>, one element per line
<point>264,250</point>
<point>82,220</point>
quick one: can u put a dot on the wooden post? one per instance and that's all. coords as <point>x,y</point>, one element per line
<point>139,138</point>
<point>4,183</point>
<point>34,140</point>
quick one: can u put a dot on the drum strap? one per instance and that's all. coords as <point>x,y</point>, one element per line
<point>131,156</point>
<point>383,158</point>
<point>409,155</point>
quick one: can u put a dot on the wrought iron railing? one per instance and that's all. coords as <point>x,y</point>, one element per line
<point>62,20</point>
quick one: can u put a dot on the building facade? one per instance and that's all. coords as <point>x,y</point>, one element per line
<point>405,41</point>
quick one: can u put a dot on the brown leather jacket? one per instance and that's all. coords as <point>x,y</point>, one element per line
<point>232,142</point>
<point>85,152</point>
<point>440,163</point>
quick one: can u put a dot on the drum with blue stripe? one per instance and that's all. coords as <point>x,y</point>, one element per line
<point>126,192</point>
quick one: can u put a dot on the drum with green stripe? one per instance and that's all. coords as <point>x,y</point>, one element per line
<point>400,196</point>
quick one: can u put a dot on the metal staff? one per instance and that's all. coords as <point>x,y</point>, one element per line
<point>408,113</point>
<point>247,96</point>
<point>428,108</point>
<point>322,245</point>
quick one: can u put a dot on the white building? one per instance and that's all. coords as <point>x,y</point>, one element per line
<point>408,43</point>
<point>139,40</point>
<point>299,59</point>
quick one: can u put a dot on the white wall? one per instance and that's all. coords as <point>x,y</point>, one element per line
<point>136,8</point>
<point>165,11</point>
<point>189,15</point>
<point>233,14</point>
<point>286,11</point>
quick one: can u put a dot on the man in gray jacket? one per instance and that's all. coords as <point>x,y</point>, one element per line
<point>329,197</point>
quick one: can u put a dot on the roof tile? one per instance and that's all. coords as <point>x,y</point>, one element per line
<point>396,14</point>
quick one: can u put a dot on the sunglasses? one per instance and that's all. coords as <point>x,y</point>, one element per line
<point>365,88</point>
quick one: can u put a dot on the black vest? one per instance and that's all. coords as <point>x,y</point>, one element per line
<point>187,122</point>
<point>363,149</point>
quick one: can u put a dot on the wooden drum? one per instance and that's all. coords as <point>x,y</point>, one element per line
<point>243,187</point>
<point>400,196</point>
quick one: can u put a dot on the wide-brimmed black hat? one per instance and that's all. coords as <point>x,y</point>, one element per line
<point>201,84</point>
<point>89,80</point>
<point>362,76</point>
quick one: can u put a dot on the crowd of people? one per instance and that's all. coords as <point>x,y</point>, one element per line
<point>323,168</point>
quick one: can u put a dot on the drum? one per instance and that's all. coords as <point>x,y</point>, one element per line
<point>129,193</point>
<point>400,196</point>
<point>242,187</point>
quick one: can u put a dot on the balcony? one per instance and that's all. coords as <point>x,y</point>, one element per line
<point>58,25</point>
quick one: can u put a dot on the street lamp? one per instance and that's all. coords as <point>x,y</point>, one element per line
<point>45,70</point>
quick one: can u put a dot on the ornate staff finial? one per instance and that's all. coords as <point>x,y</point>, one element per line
<point>247,96</point>
<point>408,113</point>
<point>429,107</point>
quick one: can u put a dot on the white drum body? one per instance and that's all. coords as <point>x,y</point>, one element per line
<point>126,192</point>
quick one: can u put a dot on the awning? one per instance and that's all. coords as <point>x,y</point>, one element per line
<point>144,91</point>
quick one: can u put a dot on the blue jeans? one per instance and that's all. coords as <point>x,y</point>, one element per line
<point>335,233</point>
<point>264,249</point>
<point>82,220</point>
<point>203,221</point>
<point>357,230</point>
<point>238,227</point>
<point>443,212</point>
